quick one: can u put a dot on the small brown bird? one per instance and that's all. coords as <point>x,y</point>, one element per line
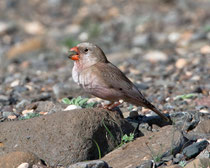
<point>99,77</point>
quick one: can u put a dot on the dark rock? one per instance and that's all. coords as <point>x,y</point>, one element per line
<point>193,150</point>
<point>148,164</point>
<point>65,137</point>
<point>90,164</point>
<point>142,86</point>
<point>15,158</point>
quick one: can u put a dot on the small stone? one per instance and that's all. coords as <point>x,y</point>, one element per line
<point>22,104</point>
<point>15,83</point>
<point>148,164</point>
<point>83,36</point>
<point>73,29</point>
<point>155,56</point>
<point>133,114</point>
<point>23,165</point>
<point>34,28</point>
<point>204,111</point>
<point>141,40</point>
<point>24,112</point>
<point>3,98</point>
<point>205,49</point>
<point>173,37</point>
<point>181,63</point>
<point>6,114</point>
<point>90,164</point>
<point>12,117</point>
<point>43,113</point>
<point>194,149</point>
<point>72,107</point>
<point>196,78</point>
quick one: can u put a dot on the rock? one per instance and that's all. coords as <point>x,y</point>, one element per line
<point>193,150</point>
<point>205,49</point>
<point>202,129</point>
<point>16,158</point>
<point>25,46</point>
<point>155,56</point>
<point>173,37</point>
<point>133,114</point>
<point>65,137</point>
<point>135,153</point>
<point>181,63</point>
<point>48,106</point>
<point>34,28</point>
<point>72,107</point>
<point>6,27</point>
<point>205,163</point>
<point>90,164</point>
<point>148,164</point>
<point>3,98</point>
<point>23,165</point>
<point>6,114</point>
<point>22,104</point>
<point>141,40</point>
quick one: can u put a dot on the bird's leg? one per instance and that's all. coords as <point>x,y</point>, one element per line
<point>113,105</point>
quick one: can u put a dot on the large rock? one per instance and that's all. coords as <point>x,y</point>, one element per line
<point>65,137</point>
<point>14,159</point>
<point>151,146</point>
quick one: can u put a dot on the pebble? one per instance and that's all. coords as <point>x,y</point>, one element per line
<point>133,114</point>
<point>72,107</point>
<point>90,164</point>
<point>12,117</point>
<point>6,114</point>
<point>34,28</point>
<point>173,37</point>
<point>23,165</point>
<point>141,40</point>
<point>3,98</point>
<point>155,56</point>
<point>15,83</point>
<point>25,112</point>
<point>181,63</point>
<point>73,29</point>
<point>22,104</point>
<point>83,36</point>
<point>205,49</point>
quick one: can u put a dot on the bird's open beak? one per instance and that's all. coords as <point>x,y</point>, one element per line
<point>75,53</point>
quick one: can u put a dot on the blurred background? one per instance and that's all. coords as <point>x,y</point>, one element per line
<point>163,46</point>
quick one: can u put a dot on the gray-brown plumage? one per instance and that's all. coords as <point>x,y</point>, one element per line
<point>99,77</point>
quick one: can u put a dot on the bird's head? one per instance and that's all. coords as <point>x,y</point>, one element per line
<point>87,54</point>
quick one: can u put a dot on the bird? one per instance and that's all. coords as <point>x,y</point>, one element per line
<point>100,78</point>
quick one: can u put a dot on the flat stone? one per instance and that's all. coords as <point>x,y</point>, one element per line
<point>90,164</point>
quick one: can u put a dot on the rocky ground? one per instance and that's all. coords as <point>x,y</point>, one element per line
<point>162,46</point>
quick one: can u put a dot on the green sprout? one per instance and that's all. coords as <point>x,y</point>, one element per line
<point>79,101</point>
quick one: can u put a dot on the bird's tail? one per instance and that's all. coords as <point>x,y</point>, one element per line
<point>153,108</point>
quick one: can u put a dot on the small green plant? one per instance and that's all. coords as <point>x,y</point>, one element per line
<point>79,101</point>
<point>125,139</point>
<point>155,156</point>
<point>186,96</point>
<point>29,115</point>
<point>98,148</point>
<point>182,163</point>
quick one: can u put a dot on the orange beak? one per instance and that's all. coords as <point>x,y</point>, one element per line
<point>75,55</point>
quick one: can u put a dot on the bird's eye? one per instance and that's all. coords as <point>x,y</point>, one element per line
<point>86,50</point>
